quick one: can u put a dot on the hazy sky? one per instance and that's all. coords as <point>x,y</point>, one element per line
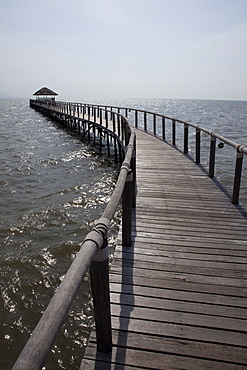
<point>125,48</point>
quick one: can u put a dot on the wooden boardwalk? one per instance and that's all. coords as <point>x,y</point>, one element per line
<point>179,294</point>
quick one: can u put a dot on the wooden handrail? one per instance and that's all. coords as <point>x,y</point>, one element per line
<point>241,150</point>
<point>93,251</point>
<point>235,145</point>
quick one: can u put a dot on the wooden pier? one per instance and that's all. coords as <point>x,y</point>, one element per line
<point>178,294</point>
<point>178,288</point>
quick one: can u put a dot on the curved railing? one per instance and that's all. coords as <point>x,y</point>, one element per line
<point>94,254</point>
<point>156,123</point>
<point>77,117</point>
<point>149,123</point>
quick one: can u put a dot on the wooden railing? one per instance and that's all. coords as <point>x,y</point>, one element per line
<point>148,121</point>
<point>84,120</point>
<point>93,253</point>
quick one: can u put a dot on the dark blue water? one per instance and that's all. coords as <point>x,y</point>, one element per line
<point>53,187</point>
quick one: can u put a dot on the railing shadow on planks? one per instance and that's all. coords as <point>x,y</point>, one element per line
<point>112,125</point>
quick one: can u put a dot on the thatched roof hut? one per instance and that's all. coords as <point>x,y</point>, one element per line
<point>45,93</point>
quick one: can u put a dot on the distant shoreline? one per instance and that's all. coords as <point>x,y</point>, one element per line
<point>6,96</point>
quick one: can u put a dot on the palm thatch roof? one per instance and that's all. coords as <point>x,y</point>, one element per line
<point>45,91</point>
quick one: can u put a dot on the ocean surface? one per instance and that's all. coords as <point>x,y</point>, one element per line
<point>53,187</point>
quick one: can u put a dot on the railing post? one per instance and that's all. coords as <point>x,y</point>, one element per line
<point>124,138</point>
<point>198,145</point>
<point>163,128</point>
<point>114,122</point>
<point>99,275</point>
<point>100,139</point>
<point>212,156</point>
<point>136,118</point>
<point>133,169</point>
<point>126,132</point>
<point>145,121</point>
<point>79,127</point>
<point>186,136</point>
<point>127,210</point>
<point>154,124</point>
<point>122,128</point>
<point>88,131</point>
<point>108,144</point>
<point>106,119</point>
<point>118,125</point>
<point>237,177</point>
<point>100,116</point>
<point>115,149</point>
<point>174,132</point>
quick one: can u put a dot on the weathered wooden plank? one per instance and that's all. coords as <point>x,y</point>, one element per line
<point>138,287</point>
<point>178,305</point>
<point>217,246</point>
<point>191,253</point>
<point>188,206</point>
<point>162,226</point>
<point>208,284</point>
<point>188,238</point>
<point>236,264</point>
<point>197,255</point>
<point>180,330</point>
<point>184,347</point>
<point>177,316</point>
<point>188,213</point>
<point>151,360</point>
<point>161,233</point>
<point>200,273</point>
<point>160,218</point>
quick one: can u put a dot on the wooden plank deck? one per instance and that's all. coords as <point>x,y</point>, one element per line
<point>179,294</point>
